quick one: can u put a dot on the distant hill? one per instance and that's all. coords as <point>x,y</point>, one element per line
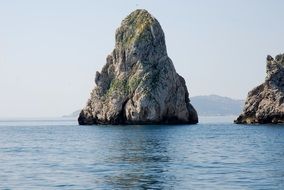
<point>211,105</point>
<point>74,114</point>
<point>214,105</point>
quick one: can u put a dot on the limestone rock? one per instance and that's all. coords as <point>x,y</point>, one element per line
<point>139,84</point>
<point>265,103</point>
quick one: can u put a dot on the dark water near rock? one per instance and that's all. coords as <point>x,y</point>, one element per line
<point>212,155</point>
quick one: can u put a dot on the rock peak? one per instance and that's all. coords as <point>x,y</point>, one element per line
<point>140,28</point>
<point>139,84</point>
<point>139,16</point>
<point>269,58</point>
<point>275,67</point>
<point>140,13</point>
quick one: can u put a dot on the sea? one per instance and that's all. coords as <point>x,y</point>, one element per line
<point>214,154</point>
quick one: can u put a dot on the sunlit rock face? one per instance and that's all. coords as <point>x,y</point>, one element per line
<point>139,84</point>
<point>265,103</point>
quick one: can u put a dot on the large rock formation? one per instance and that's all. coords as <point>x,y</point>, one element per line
<point>139,84</point>
<point>265,103</point>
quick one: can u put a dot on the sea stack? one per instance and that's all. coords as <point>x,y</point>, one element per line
<point>139,84</point>
<point>265,103</point>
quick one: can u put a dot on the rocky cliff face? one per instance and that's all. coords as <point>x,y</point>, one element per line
<point>139,84</point>
<point>265,103</point>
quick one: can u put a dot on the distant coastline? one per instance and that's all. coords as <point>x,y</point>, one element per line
<point>215,105</point>
<point>206,106</point>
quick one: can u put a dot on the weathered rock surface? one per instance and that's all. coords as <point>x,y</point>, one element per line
<point>139,84</point>
<point>265,103</point>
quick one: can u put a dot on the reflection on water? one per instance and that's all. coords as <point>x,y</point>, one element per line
<point>143,162</point>
<point>61,155</point>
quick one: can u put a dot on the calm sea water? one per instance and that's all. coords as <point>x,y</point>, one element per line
<point>211,155</point>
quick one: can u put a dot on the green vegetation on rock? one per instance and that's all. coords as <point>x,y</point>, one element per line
<point>133,83</point>
<point>135,25</point>
<point>123,86</point>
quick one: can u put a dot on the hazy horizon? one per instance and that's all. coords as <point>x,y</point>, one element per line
<point>51,50</point>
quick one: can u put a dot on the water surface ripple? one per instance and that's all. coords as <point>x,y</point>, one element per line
<point>62,155</point>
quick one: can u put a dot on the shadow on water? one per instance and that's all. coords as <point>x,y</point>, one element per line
<point>140,160</point>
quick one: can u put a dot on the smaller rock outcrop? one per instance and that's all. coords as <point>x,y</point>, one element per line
<point>265,103</point>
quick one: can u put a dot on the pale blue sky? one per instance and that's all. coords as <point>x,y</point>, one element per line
<point>50,50</point>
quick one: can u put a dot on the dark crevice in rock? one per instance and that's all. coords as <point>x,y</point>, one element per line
<point>121,117</point>
<point>86,120</point>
